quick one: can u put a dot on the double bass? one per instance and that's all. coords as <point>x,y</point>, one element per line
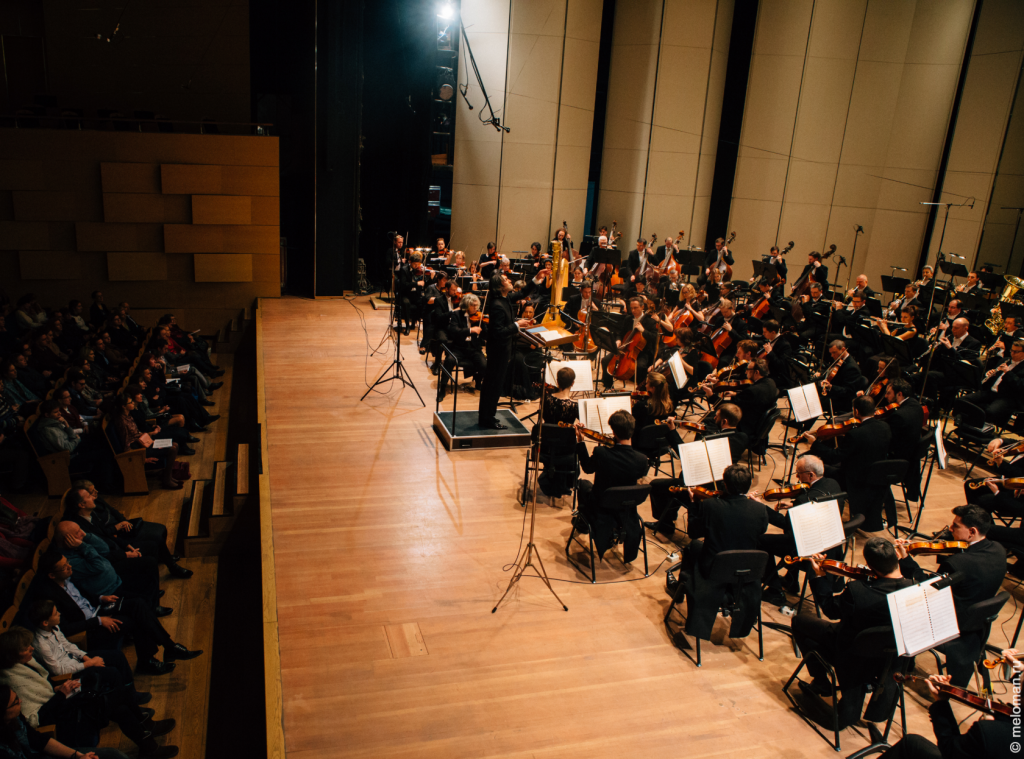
<point>803,282</point>
<point>720,264</point>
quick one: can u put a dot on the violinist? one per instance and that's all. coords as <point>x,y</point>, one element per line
<point>888,370</point>
<point>487,262</point>
<point>649,327</point>
<point>538,288</point>
<point>442,252</point>
<point>976,574</point>
<point>612,466</point>
<point>579,305</point>
<point>995,499</point>
<point>755,399</point>
<point>905,425</point>
<point>712,288</point>
<point>501,333</point>
<point>842,382</point>
<point>809,470</point>
<point>464,333</point>
<point>861,605</point>
<point>434,308</point>
<point>410,286</point>
<point>984,739</point>
<point>559,406</point>
<point>776,352</point>
<point>665,505</point>
<point>443,309</point>
<point>850,464</point>
<point>656,405</point>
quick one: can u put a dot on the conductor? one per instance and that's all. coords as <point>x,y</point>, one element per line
<point>502,331</point>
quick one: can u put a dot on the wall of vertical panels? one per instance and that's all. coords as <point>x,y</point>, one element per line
<point>979,139</point>
<point>846,116</point>
<point>1007,190</point>
<point>538,60</point>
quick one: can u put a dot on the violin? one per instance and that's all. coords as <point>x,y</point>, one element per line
<point>887,409</point>
<point>993,663</point>
<point>700,493</point>
<point>924,547</point>
<point>829,431</point>
<point>478,318</point>
<point>964,696</point>
<point>1010,483</point>
<point>695,426</point>
<point>779,494</point>
<point>597,437</point>
<point>833,567</point>
<point>1006,450</point>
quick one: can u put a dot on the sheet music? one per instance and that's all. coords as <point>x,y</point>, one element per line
<point>584,381</point>
<point>547,335</point>
<point>922,617</point>
<point>805,402</point>
<point>595,411</point>
<point>816,527</point>
<point>678,372</point>
<point>162,443</point>
<point>693,458</point>
<point>183,369</point>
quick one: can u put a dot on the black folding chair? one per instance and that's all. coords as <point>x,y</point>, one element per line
<point>620,502</point>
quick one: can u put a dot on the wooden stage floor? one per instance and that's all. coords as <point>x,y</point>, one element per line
<point>389,557</point>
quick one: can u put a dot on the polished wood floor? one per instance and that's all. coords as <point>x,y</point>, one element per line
<point>391,552</point>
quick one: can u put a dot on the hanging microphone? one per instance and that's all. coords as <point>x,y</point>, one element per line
<point>899,268</point>
<point>972,203</point>
<point>957,255</point>
<point>860,228</point>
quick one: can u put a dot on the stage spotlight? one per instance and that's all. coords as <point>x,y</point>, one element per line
<point>446,11</point>
<point>445,83</point>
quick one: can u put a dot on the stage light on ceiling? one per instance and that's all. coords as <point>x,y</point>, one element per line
<point>445,83</point>
<point>446,11</point>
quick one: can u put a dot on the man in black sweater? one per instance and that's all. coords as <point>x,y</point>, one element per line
<point>861,605</point>
<point>976,574</point>
<point>613,466</point>
<point>502,331</point>
<point>851,462</point>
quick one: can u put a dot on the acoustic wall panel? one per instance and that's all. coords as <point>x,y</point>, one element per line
<point>136,267</point>
<point>222,209</point>
<point>213,238</point>
<point>56,206</point>
<point>130,177</point>
<point>120,237</point>
<point>18,174</point>
<point>266,211</point>
<point>24,235</point>
<point>50,264</point>
<point>216,267</point>
<point>194,179</point>
<point>137,207</point>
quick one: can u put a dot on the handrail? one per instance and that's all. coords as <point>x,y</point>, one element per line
<point>273,691</point>
<point>83,120</point>
<point>453,379</point>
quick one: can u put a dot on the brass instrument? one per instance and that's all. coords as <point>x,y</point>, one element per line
<point>1009,295</point>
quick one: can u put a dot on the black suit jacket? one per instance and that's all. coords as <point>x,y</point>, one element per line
<point>905,425</point>
<point>819,275</point>
<point>615,466</point>
<point>502,329</point>
<point>754,400</point>
<point>861,447</point>
<point>821,490</point>
<point>72,618</point>
<point>458,329</point>
<point>990,738</point>
<point>1012,385</point>
<point>778,364</point>
<point>728,523</point>
<point>849,376</point>
<point>712,255</point>
<point>977,574</point>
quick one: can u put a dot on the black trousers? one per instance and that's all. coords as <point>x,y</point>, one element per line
<point>498,357</point>
<point>962,655</point>
<point>138,620</point>
<point>913,747</point>
<point>150,538</point>
<point>998,409</point>
<point>665,505</point>
<point>140,578</point>
<point>1011,538</point>
<point>820,636</point>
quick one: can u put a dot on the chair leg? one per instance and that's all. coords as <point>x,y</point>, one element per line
<point>760,635</point>
<point>643,538</point>
<point>593,562</point>
<point>697,642</point>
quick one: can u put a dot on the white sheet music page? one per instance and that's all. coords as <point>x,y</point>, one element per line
<point>942,613</point>
<point>584,375</point>
<point>805,402</point>
<point>816,527</point>
<point>694,458</point>
<point>590,414</point>
<point>922,618</point>
<point>616,403</point>
<point>721,456</point>
<point>678,371</point>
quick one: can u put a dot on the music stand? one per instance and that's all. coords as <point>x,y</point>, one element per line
<point>764,270</point>
<point>991,281</point>
<point>874,306</point>
<point>894,285</point>
<point>691,261</point>
<point>952,269</point>
<point>604,339</point>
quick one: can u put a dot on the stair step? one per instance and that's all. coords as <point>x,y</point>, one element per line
<point>242,470</point>
<point>220,477</point>
<point>196,506</point>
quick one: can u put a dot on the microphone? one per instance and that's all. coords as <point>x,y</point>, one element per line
<point>957,255</point>
<point>567,316</point>
<point>860,228</point>
<point>946,580</point>
<point>898,268</point>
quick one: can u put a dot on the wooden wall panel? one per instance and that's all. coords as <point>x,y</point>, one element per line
<point>120,237</point>
<point>50,264</point>
<point>222,209</point>
<point>219,267</point>
<point>212,238</point>
<point>136,267</point>
<point>24,235</point>
<point>194,179</point>
<point>56,206</point>
<point>266,269</point>
<point>266,210</point>
<point>138,207</point>
<point>18,174</point>
<point>130,177</point>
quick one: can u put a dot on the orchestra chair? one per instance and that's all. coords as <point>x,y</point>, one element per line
<point>731,572</point>
<point>970,431</point>
<point>759,443</point>
<point>556,441</point>
<point>877,644</point>
<point>978,618</point>
<point>652,442</point>
<point>622,503</point>
<point>881,477</point>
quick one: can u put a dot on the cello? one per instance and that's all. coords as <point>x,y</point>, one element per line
<point>623,365</point>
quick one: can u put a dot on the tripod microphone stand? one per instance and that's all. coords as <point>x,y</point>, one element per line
<point>526,559</point>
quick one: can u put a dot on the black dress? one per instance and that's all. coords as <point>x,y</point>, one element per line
<point>553,484</point>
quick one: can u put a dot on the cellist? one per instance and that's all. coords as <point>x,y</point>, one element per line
<point>645,357</point>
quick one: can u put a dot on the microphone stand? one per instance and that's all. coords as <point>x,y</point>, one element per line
<point>831,309</point>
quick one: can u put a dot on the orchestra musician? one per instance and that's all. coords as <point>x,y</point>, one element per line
<point>846,320</point>
<point>861,289</point>
<point>1007,335</point>
<point>501,333</point>
<point>613,466</point>
<point>580,301</point>
<point>850,464</point>
<point>781,270</point>
<point>945,321</point>
<point>926,277</point>
<point>441,250</point>
<point>559,406</point>
<point>843,382</point>
<point>976,574</point>
<point>410,286</point>
<point>711,258</point>
<point>591,266</point>
<point>950,348</point>
<point>644,360</point>
<point>815,310</point>
<point>862,604</point>
<point>756,398</point>
<point>909,298</point>
<point>396,254</point>
<point>665,505</point>
<point>434,309</point>
<point>994,498</point>
<point>907,329</point>
<point>488,260</point>
<point>1002,391</point>
<point>656,405</point>
<point>641,260</point>
<point>443,310</point>
<point>464,333</point>
<point>810,471</point>
<point>817,271</point>
<point>565,240</point>
<point>777,352</point>
<point>973,285</point>
<point>905,424</point>
<point>522,373</point>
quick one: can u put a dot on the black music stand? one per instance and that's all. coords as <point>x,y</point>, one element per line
<point>765,270</point>
<point>893,346</point>
<point>952,269</point>
<point>690,262</point>
<point>992,282</point>
<point>895,285</point>
<point>874,306</point>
